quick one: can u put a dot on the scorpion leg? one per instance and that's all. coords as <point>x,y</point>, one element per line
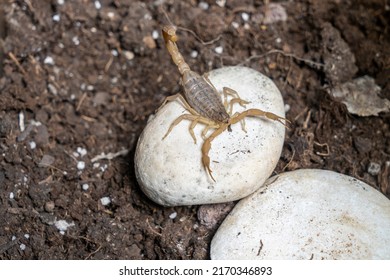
<point>195,119</point>
<point>235,99</point>
<point>182,100</point>
<point>168,99</point>
<point>207,146</point>
<point>206,129</point>
<point>191,129</point>
<point>258,113</point>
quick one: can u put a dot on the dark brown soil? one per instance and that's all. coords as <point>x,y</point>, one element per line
<point>68,69</point>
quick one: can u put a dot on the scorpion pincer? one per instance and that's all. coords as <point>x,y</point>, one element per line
<point>203,102</point>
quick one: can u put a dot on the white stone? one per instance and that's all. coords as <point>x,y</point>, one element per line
<point>374,168</point>
<point>63,225</point>
<point>56,18</point>
<point>80,165</point>
<point>48,60</point>
<point>218,49</point>
<point>76,40</point>
<point>170,171</point>
<point>221,3</point>
<point>235,24</point>
<point>81,151</point>
<point>128,54</point>
<point>155,34</point>
<point>105,200</point>
<point>245,16</point>
<point>203,5</point>
<point>307,214</point>
<point>98,5</point>
<point>173,215</point>
<point>194,53</point>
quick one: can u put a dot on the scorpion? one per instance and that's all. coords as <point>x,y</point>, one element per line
<point>203,102</point>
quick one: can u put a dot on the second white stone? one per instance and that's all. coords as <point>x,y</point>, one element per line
<point>170,171</point>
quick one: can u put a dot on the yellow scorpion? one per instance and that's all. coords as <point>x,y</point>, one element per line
<point>203,102</point>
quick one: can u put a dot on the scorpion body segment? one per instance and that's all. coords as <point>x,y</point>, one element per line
<point>203,98</point>
<point>203,102</point>
<point>199,94</point>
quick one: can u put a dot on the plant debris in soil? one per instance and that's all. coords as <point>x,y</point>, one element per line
<point>79,79</point>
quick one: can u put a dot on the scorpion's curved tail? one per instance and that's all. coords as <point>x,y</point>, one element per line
<point>170,38</point>
<point>207,146</point>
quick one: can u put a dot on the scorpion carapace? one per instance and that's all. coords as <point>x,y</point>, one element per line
<point>203,102</point>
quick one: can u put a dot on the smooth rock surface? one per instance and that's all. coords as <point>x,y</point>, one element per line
<point>170,171</point>
<point>307,214</point>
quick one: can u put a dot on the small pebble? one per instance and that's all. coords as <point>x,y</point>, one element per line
<point>13,237</point>
<point>104,167</point>
<point>81,151</point>
<point>11,195</point>
<point>49,206</point>
<point>111,15</point>
<point>221,3</point>
<point>203,5</point>
<point>63,225</point>
<point>27,236</point>
<point>275,13</point>
<point>22,247</point>
<point>374,168</point>
<point>114,52</point>
<point>155,34</point>
<point>32,144</point>
<point>76,40</point>
<point>287,107</point>
<point>219,50</point>
<point>56,17</point>
<point>128,54</point>
<point>60,2</point>
<point>245,16</point>
<point>85,187</point>
<point>105,201</point>
<point>98,5</point>
<point>48,60</point>
<point>173,215</point>
<point>80,165</point>
<point>53,90</point>
<point>194,53</point>
<point>235,24</point>
<point>42,135</point>
<point>21,121</point>
<point>149,42</point>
